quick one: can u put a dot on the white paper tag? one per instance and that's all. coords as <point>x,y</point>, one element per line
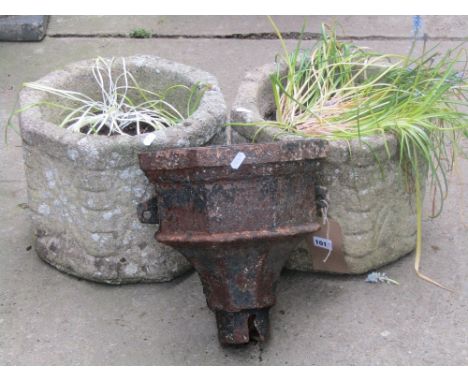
<point>243,110</point>
<point>149,139</point>
<point>323,243</point>
<point>237,161</point>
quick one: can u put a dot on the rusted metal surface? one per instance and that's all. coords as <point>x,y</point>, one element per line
<point>241,327</point>
<point>148,211</point>
<point>236,223</point>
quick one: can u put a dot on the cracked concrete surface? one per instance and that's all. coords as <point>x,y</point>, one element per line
<point>49,318</point>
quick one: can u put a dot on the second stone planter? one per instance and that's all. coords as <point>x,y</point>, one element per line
<point>84,190</point>
<point>372,216</point>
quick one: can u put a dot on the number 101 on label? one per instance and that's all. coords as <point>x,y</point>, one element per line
<point>323,243</point>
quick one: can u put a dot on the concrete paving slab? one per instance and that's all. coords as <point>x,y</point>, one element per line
<point>49,318</point>
<point>248,26</point>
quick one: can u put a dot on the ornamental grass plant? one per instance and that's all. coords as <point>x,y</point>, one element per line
<point>123,107</point>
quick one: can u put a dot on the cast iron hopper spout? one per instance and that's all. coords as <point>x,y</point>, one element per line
<point>235,212</point>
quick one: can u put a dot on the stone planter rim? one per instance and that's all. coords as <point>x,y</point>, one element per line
<point>212,105</point>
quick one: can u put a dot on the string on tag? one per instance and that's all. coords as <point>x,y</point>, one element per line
<point>324,211</point>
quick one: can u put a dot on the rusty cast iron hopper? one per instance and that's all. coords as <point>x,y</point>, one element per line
<point>235,212</point>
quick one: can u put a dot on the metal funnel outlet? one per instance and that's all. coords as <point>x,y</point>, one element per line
<point>235,212</point>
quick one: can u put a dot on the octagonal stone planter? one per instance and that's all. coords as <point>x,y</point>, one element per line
<point>83,190</point>
<point>373,219</point>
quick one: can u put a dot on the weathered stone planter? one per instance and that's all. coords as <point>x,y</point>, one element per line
<point>84,190</point>
<point>373,216</point>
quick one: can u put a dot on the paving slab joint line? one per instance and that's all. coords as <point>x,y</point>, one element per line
<point>251,36</point>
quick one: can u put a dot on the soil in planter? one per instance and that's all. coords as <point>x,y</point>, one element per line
<point>130,130</point>
<point>270,116</point>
